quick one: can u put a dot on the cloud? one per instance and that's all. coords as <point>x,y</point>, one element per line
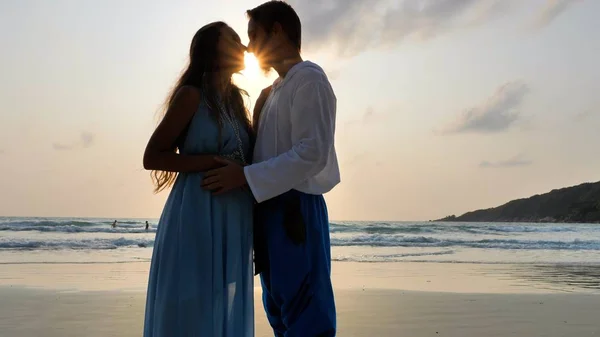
<point>351,26</point>
<point>498,113</point>
<point>334,74</point>
<point>552,10</point>
<point>357,158</point>
<point>516,161</point>
<point>369,116</point>
<point>582,116</point>
<point>61,147</point>
<point>585,115</point>
<point>86,140</point>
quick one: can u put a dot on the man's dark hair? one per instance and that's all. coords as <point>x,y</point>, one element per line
<point>276,11</point>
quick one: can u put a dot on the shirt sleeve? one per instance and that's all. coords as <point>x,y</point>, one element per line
<point>313,125</point>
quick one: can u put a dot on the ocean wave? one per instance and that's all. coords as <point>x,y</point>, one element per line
<point>371,228</point>
<point>473,228</point>
<point>124,222</point>
<point>422,241</point>
<point>73,226</point>
<point>387,257</point>
<point>76,262</point>
<point>78,229</point>
<point>29,244</point>
<point>45,223</point>
<point>358,240</point>
<point>379,227</point>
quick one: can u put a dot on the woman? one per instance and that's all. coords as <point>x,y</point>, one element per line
<point>201,279</point>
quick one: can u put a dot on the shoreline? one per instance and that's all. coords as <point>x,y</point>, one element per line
<point>437,277</point>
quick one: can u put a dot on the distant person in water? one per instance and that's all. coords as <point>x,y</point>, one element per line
<point>147,226</point>
<point>294,164</point>
<point>114,224</point>
<point>201,280</point>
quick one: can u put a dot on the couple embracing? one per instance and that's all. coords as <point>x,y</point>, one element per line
<point>247,196</point>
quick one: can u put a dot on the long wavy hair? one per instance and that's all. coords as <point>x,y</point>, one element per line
<point>201,72</point>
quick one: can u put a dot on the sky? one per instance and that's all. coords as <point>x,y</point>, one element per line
<point>444,106</point>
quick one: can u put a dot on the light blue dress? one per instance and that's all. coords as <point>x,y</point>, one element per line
<point>201,275</point>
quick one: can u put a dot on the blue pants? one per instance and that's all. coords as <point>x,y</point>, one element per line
<point>293,256</point>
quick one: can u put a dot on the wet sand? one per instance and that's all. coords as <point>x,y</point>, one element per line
<point>387,299</point>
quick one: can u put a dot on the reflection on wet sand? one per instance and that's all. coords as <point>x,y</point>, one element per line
<point>567,278</point>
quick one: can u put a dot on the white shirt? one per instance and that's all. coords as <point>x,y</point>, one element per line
<point>295,144</point>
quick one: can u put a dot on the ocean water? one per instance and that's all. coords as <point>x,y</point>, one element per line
<point>86,240</point>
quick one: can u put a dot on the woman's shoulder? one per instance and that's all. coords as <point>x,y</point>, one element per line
<point>190,98</point>
<point>189,93</point>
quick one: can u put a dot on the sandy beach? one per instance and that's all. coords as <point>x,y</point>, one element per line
<point>374,299</point>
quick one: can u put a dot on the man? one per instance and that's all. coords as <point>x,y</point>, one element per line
<point>295,163</point>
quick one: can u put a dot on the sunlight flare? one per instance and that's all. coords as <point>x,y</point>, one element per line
<point>252,68</point>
